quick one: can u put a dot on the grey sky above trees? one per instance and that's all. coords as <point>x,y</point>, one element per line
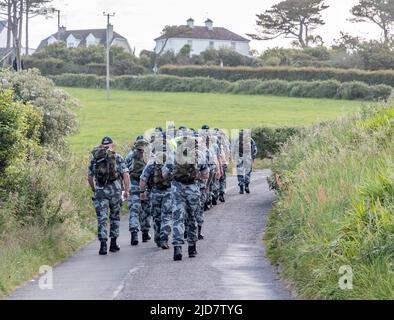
<point>143,20</point>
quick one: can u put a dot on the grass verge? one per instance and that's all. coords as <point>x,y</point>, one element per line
<point>335,208</point>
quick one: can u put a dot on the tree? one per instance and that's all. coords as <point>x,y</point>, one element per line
<point>15,11</point>
<point>379,12</point>
<point>168,33</point>
<point>294,19</point>
<point>346,42</point>
<point>34,8</point>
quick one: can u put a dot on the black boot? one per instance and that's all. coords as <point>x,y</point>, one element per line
<point>177,253</point>
<point>192,251</point>
<point>221,198</point>
<point>214,201</point>
<point>134,238</point>
<point>247,189</point>
<point>164,245</point>
<point>206,206</point>
<point>200,236</point>
<point>241,190</point>
<point>146,236</point>
<point>185,235</point>
<point>103,248</point>
<point>114,246</point>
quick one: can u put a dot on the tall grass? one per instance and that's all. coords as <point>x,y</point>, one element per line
<point>45,217</point>
<point>336,207</point>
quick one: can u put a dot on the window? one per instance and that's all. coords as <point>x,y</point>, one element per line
<point>233,45</point>
<point>211,45</point>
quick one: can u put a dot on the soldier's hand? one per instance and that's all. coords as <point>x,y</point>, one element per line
<point>125,195</point>
<point>143,196</point>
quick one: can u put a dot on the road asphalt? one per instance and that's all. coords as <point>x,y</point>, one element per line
<point>230,265</point>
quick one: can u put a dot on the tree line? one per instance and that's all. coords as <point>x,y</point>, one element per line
<point>18,14</point>
<point>297,19</point>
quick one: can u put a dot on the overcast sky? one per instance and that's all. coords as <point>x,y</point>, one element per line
<point>140,21</point>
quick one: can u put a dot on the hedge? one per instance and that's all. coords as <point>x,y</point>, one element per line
<point>269,140</point>
<point>282,73</point>
<point>315,89</point>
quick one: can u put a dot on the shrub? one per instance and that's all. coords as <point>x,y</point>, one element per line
<point>46,66</point>
<point>282,73</point>
<point>79,80</point>
<point>313,89</point>
<point>269,140</point>
<point>335,188</point>
<point>55,104</point>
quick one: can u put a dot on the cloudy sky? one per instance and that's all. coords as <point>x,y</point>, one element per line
<point>142,20</point>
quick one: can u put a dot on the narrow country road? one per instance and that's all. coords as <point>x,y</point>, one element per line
<point>230,264</point>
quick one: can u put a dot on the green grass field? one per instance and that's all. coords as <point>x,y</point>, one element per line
<point>129,114</point>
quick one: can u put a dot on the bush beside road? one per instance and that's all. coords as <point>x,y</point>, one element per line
<point>334,216</point>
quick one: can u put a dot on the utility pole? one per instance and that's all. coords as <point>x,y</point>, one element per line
<point>108,15</point>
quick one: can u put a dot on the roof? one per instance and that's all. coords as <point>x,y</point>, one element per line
<point>217,33</point>
<point>82,35</point>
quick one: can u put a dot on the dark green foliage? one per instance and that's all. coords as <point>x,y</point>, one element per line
<point>56,105</point>
<point>282,73</point>
<point>57,59</point>
<point>314,89</point>
<point>269,140</point>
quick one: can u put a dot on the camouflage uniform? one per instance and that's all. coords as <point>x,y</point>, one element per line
<point>224,152</point>
<point>161,206</point>
<point>245,165</point>
<point>185,199</point>
<point>203,199</point>
<point>107,200</point>
<point>139,211</point>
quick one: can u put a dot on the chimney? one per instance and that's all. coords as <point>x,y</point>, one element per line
<point>60,32</point>
<point>209,24</point>
<point>190,23</point>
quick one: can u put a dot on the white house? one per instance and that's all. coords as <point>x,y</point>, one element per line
<point>86,38</point>
<point>201,38</point>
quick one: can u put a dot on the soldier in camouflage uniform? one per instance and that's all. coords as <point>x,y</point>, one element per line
<point>185,193</point>
<point>245,150</point>
<point>139,211</point>
<point>107,172</point>
<point>160,196</point>
<point>224,154</point>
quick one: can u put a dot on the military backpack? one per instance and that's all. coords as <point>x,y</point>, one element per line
<point>105,169</point>
<point>185,173</point>
<point>139,160</point>
<point>158,180</point>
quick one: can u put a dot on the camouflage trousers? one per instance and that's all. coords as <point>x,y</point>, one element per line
<point>107,202</point>
<point>185,207</point>
<point>139,211</point>
<point>203,200</point>
<point>162,213</point>
<point>223,182</point>
<point>244,171</point>
<point>215,187</point>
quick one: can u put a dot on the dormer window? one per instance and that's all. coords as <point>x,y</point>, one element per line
<point>52,40</point>
<point>91,40</point>
<point>72,42</point>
